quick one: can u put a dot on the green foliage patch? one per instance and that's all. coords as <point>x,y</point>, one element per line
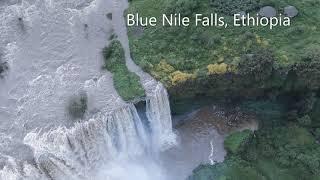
<point>231,7</point>
<point>284,153</point>
<point>235,142</point>
<point>125,82</point>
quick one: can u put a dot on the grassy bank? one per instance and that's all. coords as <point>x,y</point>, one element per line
<point>125,82</point>
<point>229,63</point>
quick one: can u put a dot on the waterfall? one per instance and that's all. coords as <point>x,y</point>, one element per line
<point>159,115</point>
<point>80,151</point>
<point>84,147</point>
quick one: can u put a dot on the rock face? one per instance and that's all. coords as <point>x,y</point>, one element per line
<point>290,11</point>
<point>267,11</point>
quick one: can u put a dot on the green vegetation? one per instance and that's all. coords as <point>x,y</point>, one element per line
<point>77,106</point>
<point>281,152</point>
<point>125,82</point>
<point>231,7</point>
<point>235,142</point>
<point>232,169</point>
<point>272,73</point>
<point>231,63</point>
<point>184,7</point>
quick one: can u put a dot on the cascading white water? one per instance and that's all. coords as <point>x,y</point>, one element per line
<point>51,55</point>
<point>80,151</point>
<point>116,139</point>
<point>159,115</point>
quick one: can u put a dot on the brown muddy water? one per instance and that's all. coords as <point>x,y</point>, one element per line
<point>201,137</point>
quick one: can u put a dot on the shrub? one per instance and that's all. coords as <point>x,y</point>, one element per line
<point>180,77</point>
<point>217,68</point>
<point>308,71</point>
<point>78,105</point>
<point>235,142</point>
<point>114,57</point>
<point>311,54</point>
<point>258,65</point>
